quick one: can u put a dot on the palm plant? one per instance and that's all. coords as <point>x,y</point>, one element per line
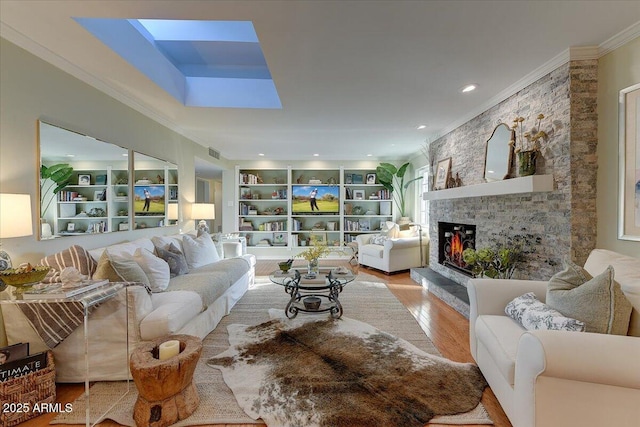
<point>55,177</point>
<point>392,179</point>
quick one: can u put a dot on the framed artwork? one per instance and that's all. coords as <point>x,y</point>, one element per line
<point>357,178</point>
<point>279,239</point>
<point>348,179</point>
<point>358,194</point>
<point>443,171</point>
<point>629,164</point>
<point>84,179</point>
<point>318,237</point>
<point>101,179</point>
<point>99,195</point>
<point>371,178</point>
<point>71,226</point>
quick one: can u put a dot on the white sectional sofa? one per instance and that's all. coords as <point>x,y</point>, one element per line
<point>550,378</point>
<point>192,304</point>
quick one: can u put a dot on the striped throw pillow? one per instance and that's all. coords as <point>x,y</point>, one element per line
<point>76,256</point>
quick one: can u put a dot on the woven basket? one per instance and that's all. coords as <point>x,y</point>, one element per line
<point>36,387</point>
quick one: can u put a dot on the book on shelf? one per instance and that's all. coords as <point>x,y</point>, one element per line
<point>57,291</point>
<point>23,365</point>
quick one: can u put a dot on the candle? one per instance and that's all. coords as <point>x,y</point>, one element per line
<point>169,349</point>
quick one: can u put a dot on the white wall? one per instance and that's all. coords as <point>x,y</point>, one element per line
<point>616,70</point>
<point>33,89</point>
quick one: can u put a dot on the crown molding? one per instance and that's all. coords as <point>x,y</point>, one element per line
<point>555,62</point>
<point>57,61</point>
<point>582,53</point>
<point>619,39</point>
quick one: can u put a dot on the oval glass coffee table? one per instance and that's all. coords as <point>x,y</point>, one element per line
<point>317,294</point>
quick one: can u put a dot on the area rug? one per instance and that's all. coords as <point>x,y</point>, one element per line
<point>362,300</point>
<point>322,373</point>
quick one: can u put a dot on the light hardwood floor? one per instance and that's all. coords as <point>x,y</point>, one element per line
<point>443,325</point>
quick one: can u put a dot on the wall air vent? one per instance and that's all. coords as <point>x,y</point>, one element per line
<point>213,153</point>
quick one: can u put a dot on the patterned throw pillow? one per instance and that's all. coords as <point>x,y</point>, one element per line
<point>75,256</point>
<point>597,301</point>
<point>378,239</point>
<point>176,260</point>
<point>533,314</point>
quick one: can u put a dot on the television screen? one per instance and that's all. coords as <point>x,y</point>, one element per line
<point>149,200</point>
<point>315,199</point>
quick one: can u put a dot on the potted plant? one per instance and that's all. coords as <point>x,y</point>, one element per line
<point>393,179</point>
<point>55,178</point>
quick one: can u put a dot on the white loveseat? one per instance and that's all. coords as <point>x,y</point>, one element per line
<point>193,304</point>
<point>394,254</point>
<point>558,378</point>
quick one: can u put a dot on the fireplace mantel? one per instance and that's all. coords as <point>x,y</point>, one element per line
<point>525,184</point>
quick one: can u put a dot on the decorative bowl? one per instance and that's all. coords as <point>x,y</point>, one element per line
<point>17,277</point>
<point>311,303</point>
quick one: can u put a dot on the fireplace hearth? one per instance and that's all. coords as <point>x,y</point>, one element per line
<point>453,239</point>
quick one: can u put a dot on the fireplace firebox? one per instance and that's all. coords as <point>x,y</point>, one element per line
<point>453,239</point>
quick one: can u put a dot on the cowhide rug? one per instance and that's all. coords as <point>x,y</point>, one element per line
<point>341,373</point>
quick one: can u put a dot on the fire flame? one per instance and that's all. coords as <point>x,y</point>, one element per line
<point>456,248</point>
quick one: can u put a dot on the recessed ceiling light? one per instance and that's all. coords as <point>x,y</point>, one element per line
<point>421,127</point>
<point>369,155</point>
<point>125,154</point>
<point>469,88</point>
<point>315,154</point>
<point>260,154</point>
<point>70,155</point>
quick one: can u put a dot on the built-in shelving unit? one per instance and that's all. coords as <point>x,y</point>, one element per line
<point>525,184</point>
<point>275,207</point>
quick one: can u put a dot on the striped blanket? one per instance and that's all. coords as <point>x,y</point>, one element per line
<point>55,320</point>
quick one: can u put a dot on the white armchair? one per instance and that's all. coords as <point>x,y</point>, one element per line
<point>395,254</point>
<point>557,378</point>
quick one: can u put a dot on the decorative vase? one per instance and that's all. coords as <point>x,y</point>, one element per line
<point>312,266</point>
<point>45,229</point>
<point>527,162</point>
<point>404,220</point>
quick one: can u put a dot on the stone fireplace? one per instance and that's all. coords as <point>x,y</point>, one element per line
<point>453,239</point>
<point>559,222</point>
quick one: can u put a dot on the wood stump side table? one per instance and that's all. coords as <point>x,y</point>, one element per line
<point>166,392</point>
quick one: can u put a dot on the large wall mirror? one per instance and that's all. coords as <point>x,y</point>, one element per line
<point>87,187</point>
<point>155,192</point>
<point>83,184</point>
<point>498,154</point>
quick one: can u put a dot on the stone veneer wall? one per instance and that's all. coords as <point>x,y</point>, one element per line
<point>559,223</point>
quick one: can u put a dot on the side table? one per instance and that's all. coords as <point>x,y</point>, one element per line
<point>83,304</point>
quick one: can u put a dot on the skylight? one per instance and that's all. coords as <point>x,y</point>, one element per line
<point>200,63</point>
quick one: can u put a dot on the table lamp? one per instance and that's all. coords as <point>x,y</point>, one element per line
<point>172,213</point>
<point>203,212</point>
<point>15,221</point>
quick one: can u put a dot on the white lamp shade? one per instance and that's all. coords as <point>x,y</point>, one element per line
<point>15,215</point>
<point>172,211</point>
<point>203,211</point>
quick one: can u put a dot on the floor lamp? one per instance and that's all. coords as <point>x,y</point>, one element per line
<point>405,227</point>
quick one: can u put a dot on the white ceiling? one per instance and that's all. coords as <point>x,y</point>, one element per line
<point>354,77</point>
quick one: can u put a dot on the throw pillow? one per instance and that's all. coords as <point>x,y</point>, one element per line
<point>597,301</point>
<point>106,271</point>
<point>200,251</point>
<point>378,239</point>
<point>533,314</point>
<point>75,256</point>
<point>176,260</point>
<point>128,269</point>
<point>156,269</point>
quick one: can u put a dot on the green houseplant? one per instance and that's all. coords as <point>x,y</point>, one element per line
<point>393,179</point>
<point>55,178</point>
